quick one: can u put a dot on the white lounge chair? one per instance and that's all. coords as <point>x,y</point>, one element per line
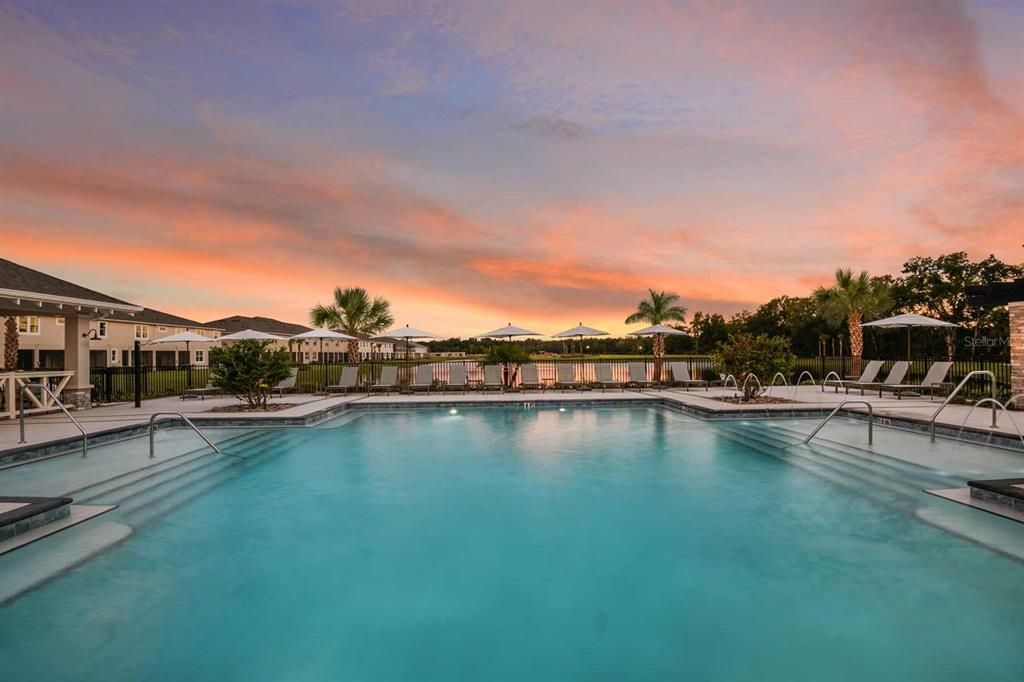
<point>349,379</point>
<point>894,378</point>
<point>934,377</point>
<point>565,376</point>
<point>530,377</point>
<point>424,380</point>
<point>457,378</point>
<point>286,384</point>
<point>681,376</point>
<point>604,376</point>
<point>868,377</point>
<point>492,378</point>
<point>200,393</point>
<point>638,375</point>
<point>388,379</point>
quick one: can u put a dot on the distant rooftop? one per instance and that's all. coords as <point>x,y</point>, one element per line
<point>237,323</point>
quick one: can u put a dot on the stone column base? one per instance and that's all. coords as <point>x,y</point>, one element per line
<point>77,398</point>
<point>1017,350</point>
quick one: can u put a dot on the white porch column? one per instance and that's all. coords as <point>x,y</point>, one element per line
<point>78,392</point>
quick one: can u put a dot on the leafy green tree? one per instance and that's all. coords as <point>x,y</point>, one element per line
<point>936,287</point>
<point>709,331</point>
<point>354,312</point>
<point>762,356</point>
<point>248,370</point>
<point>510,356</point>
<point>851,299</point>
<point>659,308</point>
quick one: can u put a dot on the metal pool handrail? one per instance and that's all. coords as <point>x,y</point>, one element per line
<point>58,403</point>
<point>952,394</point>
<point>871,420</point>
<point>152,430</point>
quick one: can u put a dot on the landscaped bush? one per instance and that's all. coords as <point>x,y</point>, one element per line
<point>248,370</point>
<point>510,356</point>
<point>762,356</point>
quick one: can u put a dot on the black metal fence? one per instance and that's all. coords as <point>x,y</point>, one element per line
<point>114,384</point>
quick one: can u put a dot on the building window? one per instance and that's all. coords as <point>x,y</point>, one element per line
<point>141,331</point>
<point>200,356</point>
<point>113,356</point>
<point>161,329</point>
<point>28,324</point>
<point>101,329</point>
<point>60,321</point>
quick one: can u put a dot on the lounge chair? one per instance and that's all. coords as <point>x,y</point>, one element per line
<point>935,376</point>
<point>604,376</point>
<point>286,384</point>
<point>895,378</point>
<point>565,377</point>
<point>868,377</point>
<point>200,393</point>
<point>457,378</point>
<point>638,375</point>
<point>530,378</point>
<point>349,380</point>
<point>424,380</point>
<point>681,376</point>
<point>388,379</point>
<point>492,378</point>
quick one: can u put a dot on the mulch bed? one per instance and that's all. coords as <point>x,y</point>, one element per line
<point>762,400</point>
<point>272,407</point>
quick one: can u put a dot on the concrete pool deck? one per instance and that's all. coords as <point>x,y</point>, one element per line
<point>806,401</point>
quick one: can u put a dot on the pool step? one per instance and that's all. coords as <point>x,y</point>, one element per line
<point>152,502</point>
<point>887,491</point>
<point>862,458</point>
<point>101,491</point>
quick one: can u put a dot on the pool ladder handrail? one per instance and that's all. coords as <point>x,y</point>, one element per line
<point>871,420</point>
<point>188,422</point>
<point>952,394</point>
<point>58,403</point>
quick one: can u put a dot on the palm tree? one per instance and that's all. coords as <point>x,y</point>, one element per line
<point>354,312</point>
<point>658,309</point>
<point>10,359</point>
<point>851,299</point>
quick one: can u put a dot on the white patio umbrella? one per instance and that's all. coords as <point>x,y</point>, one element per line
<point>507,332</point>
<point>188,338</point>
<point>408,333</point>
<point>322,334</point>
<point>579,332</point>
<point>656,329</point>
<point>909,320</point>
<point>251,335</point>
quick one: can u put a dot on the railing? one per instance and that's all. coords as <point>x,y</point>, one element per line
<point>10,383</point>
<point>959,387</point>
<point>152,431</point>
<point>25,388</point>
<point>871,420</point>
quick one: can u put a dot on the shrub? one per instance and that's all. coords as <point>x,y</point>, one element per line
<point>762,356</point>
<point>248,370</point>
<point>510,356</point>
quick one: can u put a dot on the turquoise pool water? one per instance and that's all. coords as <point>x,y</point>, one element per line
<point>624,543</point>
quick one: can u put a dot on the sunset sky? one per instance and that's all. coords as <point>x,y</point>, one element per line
<point>479,163</point>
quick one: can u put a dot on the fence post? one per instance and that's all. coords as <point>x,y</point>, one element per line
<point>137,370</point>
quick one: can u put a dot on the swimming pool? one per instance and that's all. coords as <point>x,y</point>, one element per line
<point>509,543</point>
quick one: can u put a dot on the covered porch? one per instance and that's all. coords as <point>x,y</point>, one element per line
<point>25,292</point>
